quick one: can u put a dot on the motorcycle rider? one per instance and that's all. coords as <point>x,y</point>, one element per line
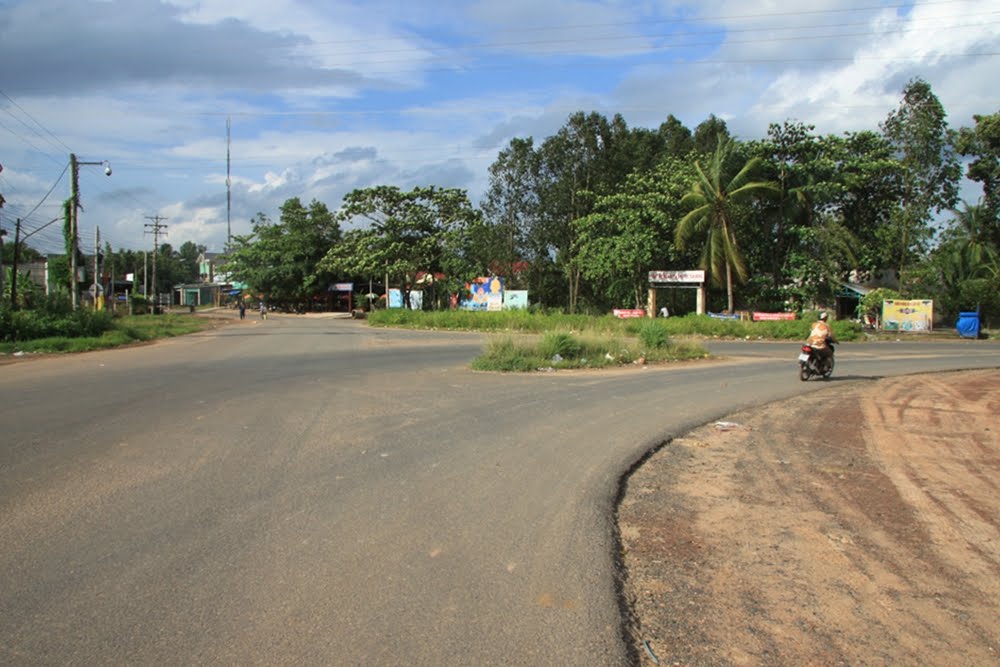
<point>820,338</point>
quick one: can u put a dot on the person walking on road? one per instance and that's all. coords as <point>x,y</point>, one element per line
<point>263,310</point>
<point>243,310</point>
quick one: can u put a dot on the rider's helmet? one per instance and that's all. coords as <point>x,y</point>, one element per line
<point>823,316</point>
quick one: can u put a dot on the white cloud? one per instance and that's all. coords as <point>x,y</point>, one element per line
<point>326,97</point>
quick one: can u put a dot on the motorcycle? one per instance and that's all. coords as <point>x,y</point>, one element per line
<point>811,363</point>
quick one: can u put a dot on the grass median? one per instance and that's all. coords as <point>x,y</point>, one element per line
<point>123,331</point>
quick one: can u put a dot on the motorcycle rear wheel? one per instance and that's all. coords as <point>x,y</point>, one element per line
<point>804,372</point>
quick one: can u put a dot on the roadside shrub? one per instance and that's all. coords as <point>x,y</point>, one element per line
<point>653,334</point>
<point>502,354</point>
<point>563,344</point>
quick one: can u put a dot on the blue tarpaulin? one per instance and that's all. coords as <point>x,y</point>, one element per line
<point>968,325</point>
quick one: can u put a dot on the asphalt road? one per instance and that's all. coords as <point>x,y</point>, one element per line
<point>313,491</point>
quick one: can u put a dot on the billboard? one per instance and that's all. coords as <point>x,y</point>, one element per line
<point>483,292</point>
<point>515,299</point>
<point>396,299</point>
<point>669,277</point>
<point>908,315</point>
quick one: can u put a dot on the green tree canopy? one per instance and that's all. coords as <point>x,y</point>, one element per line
<point>426,229</point>
<point>282,261</point>
<point>631,232</point>
<point>918,132</point>
<point>982,144</point>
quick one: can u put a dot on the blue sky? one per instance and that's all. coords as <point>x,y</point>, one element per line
<point>325,96</point>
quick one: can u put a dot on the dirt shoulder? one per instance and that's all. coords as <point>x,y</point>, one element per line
<point>855,526</point>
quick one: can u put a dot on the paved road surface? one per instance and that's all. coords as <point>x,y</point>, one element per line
<point>312,491</point>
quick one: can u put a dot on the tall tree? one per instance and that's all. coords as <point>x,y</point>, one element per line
<point>188,254</point>
<point>713,203</point>
<point>574,171</point>
<point>677,139</point>
<point>918,132</point>
<point>281,260</point>
<point>869,188</point>
<point>424,229</point>
<point>709,134</point>
<point>631,231</point>
<point>790,153</point>
<point>982,144</point>
<point>510,206</point>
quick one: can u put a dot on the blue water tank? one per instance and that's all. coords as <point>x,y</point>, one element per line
<point>968,325</point>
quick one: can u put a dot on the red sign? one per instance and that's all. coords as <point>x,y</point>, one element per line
<point>757,317</point>
<point>629,312</point>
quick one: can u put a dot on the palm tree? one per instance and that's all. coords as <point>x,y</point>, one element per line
<point>977,257</point>
<point>713,199</point>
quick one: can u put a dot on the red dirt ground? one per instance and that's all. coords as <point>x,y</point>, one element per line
<point>855,526</point>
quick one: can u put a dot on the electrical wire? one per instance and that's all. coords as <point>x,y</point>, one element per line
<point>63,173</point>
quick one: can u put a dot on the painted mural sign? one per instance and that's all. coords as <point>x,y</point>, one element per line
<point>483,292</point>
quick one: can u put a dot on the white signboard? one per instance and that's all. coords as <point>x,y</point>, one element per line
<point>515,299</point>
<point>696,276</point>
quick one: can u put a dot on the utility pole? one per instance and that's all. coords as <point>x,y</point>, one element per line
<point>17,256</point>
<point>74,189</point>
<point>229,226</point>
<point>97,254</point>
<point>74,197</point>
<point>3,233</point>
<point>155,226</point>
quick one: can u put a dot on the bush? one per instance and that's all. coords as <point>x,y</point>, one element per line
<point>653,334</point>
<point>31,324</point>
<point>563,344</point>
<point>504,355</point>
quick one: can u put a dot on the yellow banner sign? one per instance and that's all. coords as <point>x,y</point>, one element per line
<point>910,315</point>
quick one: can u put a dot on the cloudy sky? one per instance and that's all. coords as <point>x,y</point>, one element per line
<point>325,96</point>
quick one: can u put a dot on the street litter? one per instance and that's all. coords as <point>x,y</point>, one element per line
<point>726,426</point>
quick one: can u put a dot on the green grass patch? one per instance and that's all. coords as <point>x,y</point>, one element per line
<point>651,331</point>
<point>123,331</point>
<point>583,341</point>
<point>561,350</point>
<point>513,321</point>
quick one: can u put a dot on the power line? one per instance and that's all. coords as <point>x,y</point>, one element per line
<point>28,214</point>
<point>36,122</point>
<point>569,41</point>
<point>669,20</point>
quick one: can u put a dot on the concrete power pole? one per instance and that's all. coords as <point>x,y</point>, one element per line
<point>13,274</point>
<point>155,228</point>
<point>74,198</point>
<point>97,254</point>
<point>229,226</point>
<point>74,185</point>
